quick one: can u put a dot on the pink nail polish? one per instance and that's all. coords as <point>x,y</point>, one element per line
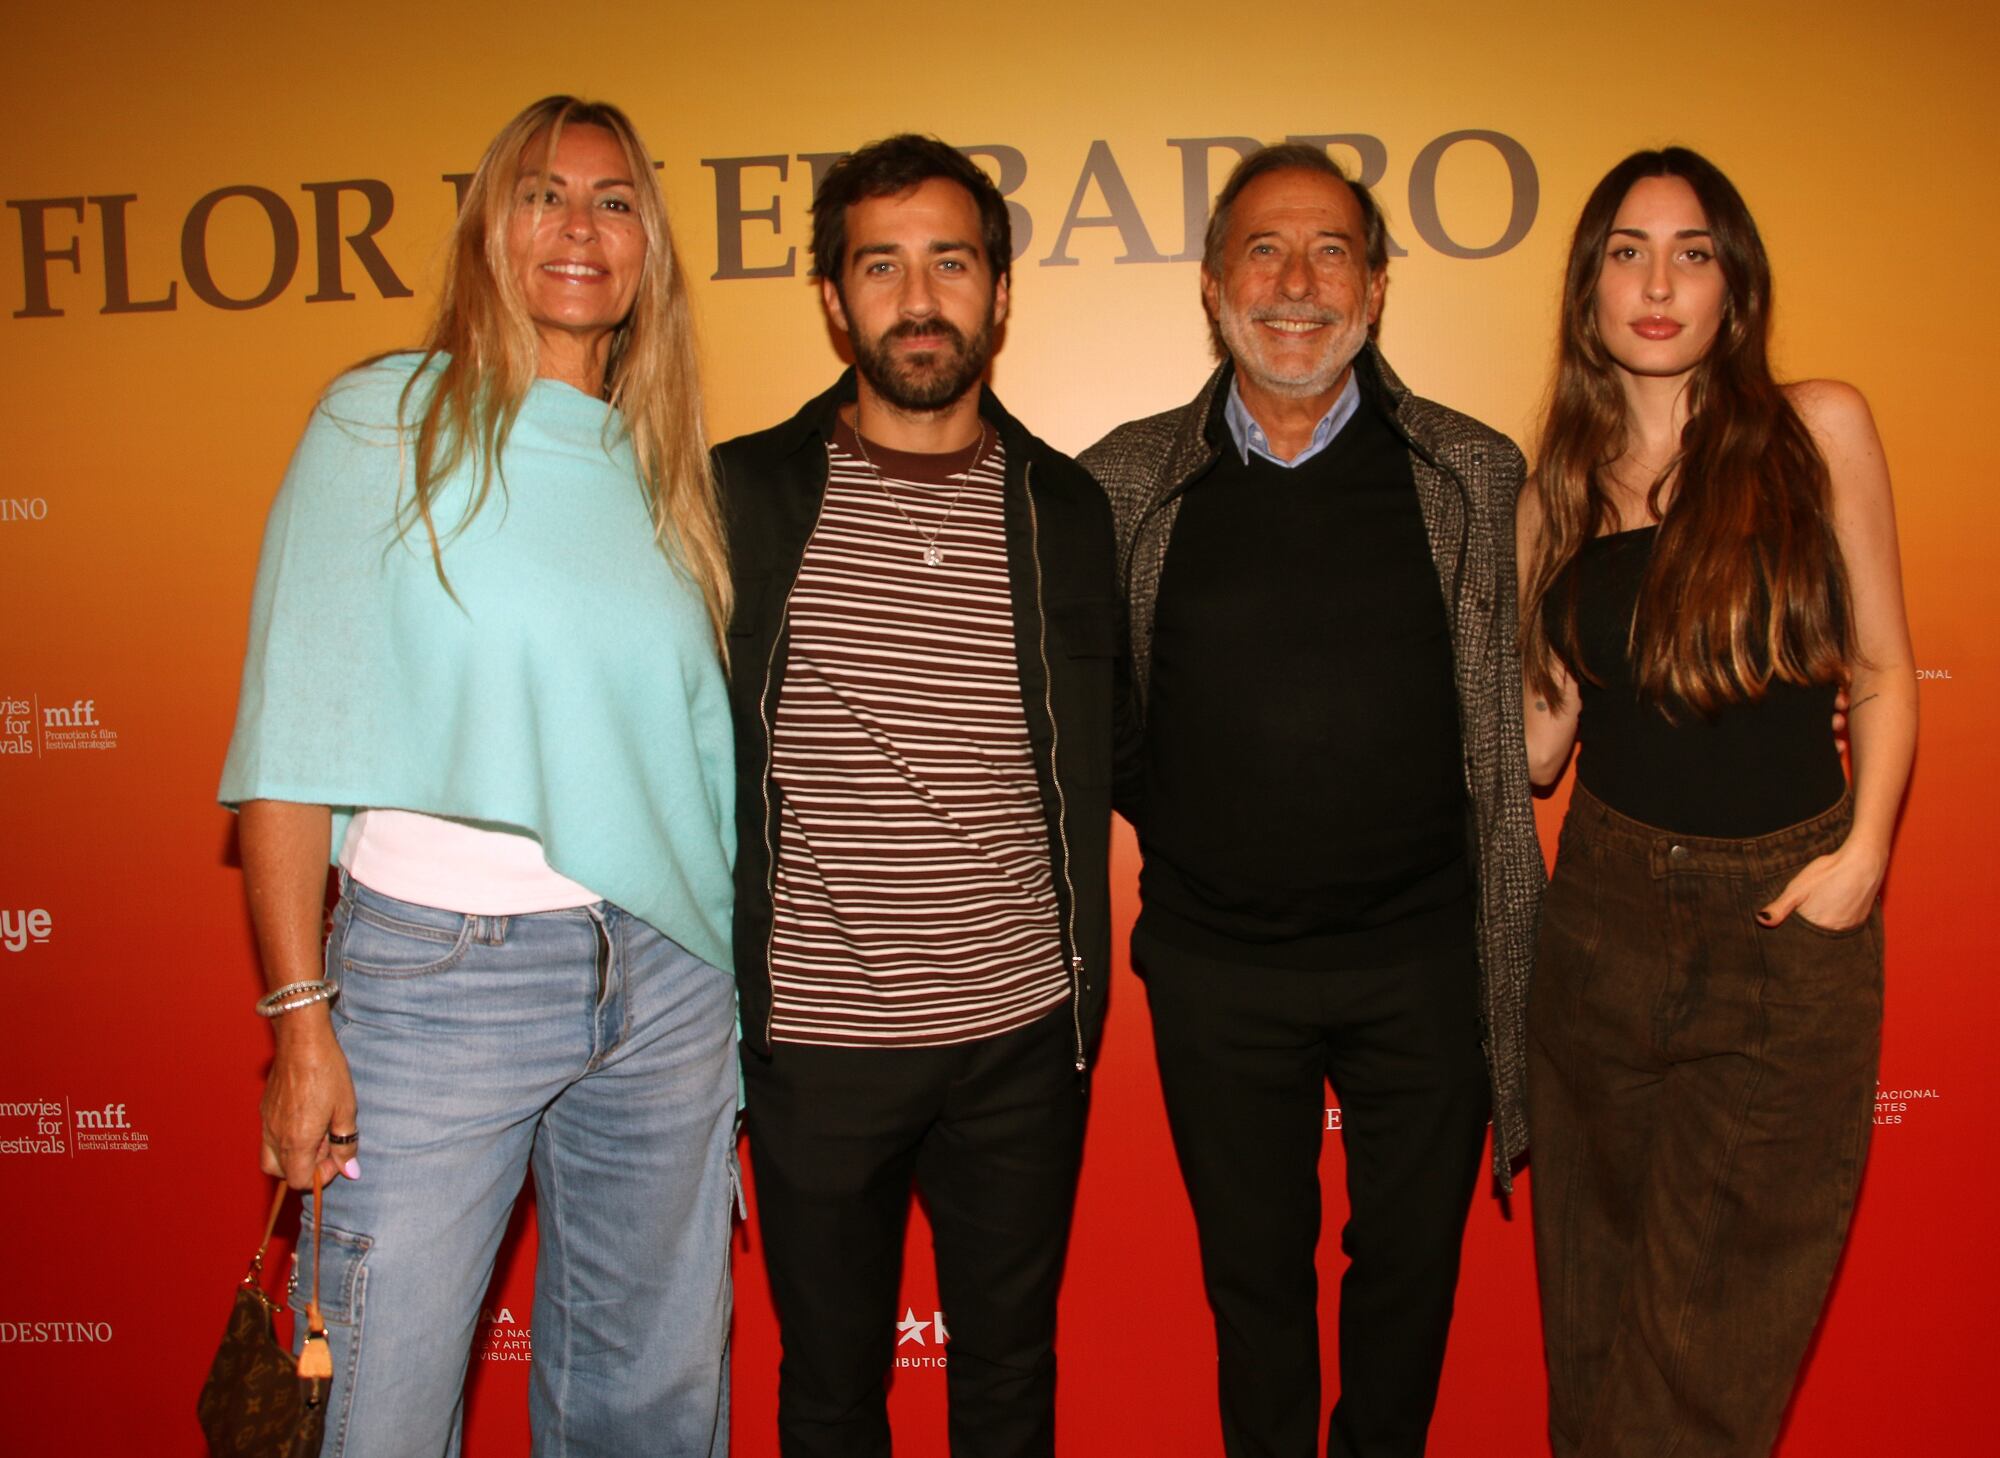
<point>352,1169</point>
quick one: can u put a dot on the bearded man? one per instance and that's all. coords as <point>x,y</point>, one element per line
<point>924,665</point>
<point>1340,875</point>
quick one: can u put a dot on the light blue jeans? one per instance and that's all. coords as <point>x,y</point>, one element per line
<point>586,1046</point>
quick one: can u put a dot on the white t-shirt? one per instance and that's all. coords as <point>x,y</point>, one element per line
<point>454,866</point>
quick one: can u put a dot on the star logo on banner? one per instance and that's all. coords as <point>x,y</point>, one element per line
<point>911,1327</point>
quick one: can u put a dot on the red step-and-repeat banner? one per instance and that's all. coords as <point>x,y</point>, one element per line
<point>211,210</point>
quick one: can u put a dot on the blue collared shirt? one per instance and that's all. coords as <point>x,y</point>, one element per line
<point>1249,435</point>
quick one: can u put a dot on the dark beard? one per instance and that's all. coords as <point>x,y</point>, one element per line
<point>895,377</point>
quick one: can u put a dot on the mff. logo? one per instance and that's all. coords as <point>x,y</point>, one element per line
<point>80,715</point>
<point>111,1116</point>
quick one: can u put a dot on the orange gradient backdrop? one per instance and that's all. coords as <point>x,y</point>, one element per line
<point>143,445</point>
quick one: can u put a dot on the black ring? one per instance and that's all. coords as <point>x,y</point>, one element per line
<point>344,1138</point>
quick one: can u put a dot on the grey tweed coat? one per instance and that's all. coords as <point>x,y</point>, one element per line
<point>1467,478</point>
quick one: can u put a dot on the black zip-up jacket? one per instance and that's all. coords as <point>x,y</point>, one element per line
<point>1068,645</point>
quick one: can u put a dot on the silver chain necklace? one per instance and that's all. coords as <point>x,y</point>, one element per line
<point>933,553</point>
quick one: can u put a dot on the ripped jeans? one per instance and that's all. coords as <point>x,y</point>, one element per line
<point>583,1045</point>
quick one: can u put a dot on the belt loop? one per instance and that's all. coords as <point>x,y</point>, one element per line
<point>607,951</point>
<point>1765,857</point>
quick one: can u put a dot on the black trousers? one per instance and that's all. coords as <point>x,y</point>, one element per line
<point>1245,1055</point>
<point>991,1134</point>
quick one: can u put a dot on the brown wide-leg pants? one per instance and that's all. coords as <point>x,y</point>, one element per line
<point>1700,1092</point>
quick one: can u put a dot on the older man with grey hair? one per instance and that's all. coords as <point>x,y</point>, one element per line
<point>1341,876</point>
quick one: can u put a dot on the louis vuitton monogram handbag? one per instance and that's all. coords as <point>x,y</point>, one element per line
<point>259,1401</point>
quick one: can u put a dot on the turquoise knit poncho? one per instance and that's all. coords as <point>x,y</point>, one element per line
<point>572,692</point>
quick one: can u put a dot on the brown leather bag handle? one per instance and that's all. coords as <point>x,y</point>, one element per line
<point>315,1356</point>
<point>270,1227</point>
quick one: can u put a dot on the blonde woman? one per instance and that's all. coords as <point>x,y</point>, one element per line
<point>483,678</point>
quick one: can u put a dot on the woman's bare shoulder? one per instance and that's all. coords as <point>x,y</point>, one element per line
<point>1843,428</point>
<point>1834,411</point>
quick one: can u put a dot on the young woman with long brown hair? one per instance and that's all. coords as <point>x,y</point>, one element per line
<point>484,678</point>
<point>1706,555</point>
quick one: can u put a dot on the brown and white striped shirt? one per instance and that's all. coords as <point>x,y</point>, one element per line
<point>914,904</point>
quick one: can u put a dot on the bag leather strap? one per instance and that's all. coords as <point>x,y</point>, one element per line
<point>315,1356</point>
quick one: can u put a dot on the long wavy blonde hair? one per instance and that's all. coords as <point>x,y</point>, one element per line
<point>489,349</point>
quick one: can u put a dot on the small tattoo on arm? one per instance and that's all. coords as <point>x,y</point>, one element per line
<point>1860,701</point>
<point>1542,706</point>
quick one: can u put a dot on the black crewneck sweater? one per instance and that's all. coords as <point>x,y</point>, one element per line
<point>1305,799</point>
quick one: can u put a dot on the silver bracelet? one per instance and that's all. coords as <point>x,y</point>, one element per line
<point>295,995</point>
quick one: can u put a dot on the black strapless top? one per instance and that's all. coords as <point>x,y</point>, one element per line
<point>1750,769</point>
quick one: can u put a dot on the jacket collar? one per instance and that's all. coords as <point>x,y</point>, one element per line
<point>1194,445</point>
<point>814,422</point>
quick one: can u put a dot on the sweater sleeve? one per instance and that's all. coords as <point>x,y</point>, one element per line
<point>317,608</point>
